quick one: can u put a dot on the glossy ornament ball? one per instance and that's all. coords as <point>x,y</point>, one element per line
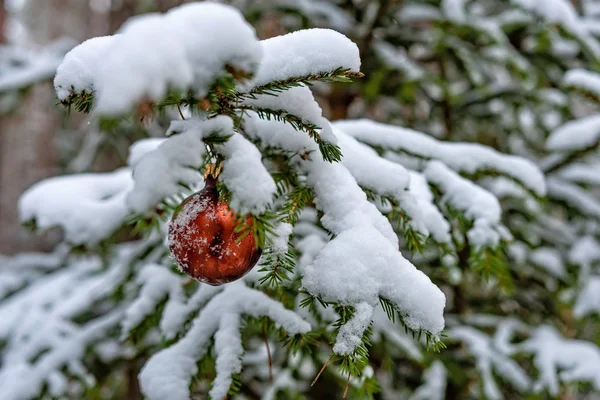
<point>203,241</point>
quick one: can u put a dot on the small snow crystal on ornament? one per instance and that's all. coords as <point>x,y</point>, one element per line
<point>203,241</point>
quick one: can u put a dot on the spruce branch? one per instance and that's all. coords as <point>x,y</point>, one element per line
<point>275,87</point>
<point>330,152</point>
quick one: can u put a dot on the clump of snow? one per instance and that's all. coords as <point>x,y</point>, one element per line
<point>305,52</point>
<point>251,185</point>
<point>358,266</point>
<point>581,173</point>
<point>298,101</point>
<point>88,207</point>
<point>168,373</point>
<point>469,158</point>
<point>157,284</point>
<point>575,135</point>
<point>588,300</point>
<point>174,162</point>
<point>585,251</point>
<point>180,54</point>
<point>433,219</point>
<point>78,71</point>
<point>489,359</point>
<point>582,79</point>
<point>574,195</point>
<point>434,383</point>
<point>476,203</point>
<point>280,241</point>
<point>271,133</point>
<point>550,260</point>
<point>560,359</point>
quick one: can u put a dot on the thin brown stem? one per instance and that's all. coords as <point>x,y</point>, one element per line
<point>268,354</point>
<point>347,385</point>
<point>322,369</point>
<point>180,113</point>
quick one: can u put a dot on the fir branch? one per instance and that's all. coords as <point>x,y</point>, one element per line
<point>277,267</point>
<point>275,87</point>
<point>297,199</point>
<point>329,151</point>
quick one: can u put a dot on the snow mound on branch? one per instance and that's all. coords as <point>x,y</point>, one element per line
<point>383,177</point>
<point>251,185</point>
<point>174,162</point>
<point>433,219</point>
<point>577,360</point>
<point>434,383</point>
<point>298,101</point>
<point>575,135</point>
<point>362,262</point>
<point>168,373</point>
<point>359,266</point>
<point>77,72</point>
<point>305,52</point>
<point>477,204</point>
<point>490,359</point>
<point>157,284</point>
<point>88,207</point>
<point>467,158</point>
<point>574,195</point>
<point>179,53</point>
<point>580,78</point>
<point>588,301</point>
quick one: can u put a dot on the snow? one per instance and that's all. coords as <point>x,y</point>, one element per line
<point>305,52</point>
<point>434,383</point>
<point>454,10</point>
<point>21,68</point>
<point>350,334</point>
<point>588,300</point>
<point>173,162</point>
<point>42,342</point>
<point>585,251</point>
<point>279,245</point>
<point>88,207</point>
<point>179,54</point>
<point>77,72</point>
<point>357,267</point>
<point>477,204</point>
<point>549,259</point>
<point>563,13</point>
<point>385,178</point>
<point>398,59</point>
<point>252,187</point>
<point>575,135</point>
<point>467,158</point>
<point>489,360</point>
<point>157,284</point>
<point>297,101</point>
<point>167,374</point>
<point>577,360</point>
<point>581,173</point>
<point>582,79</point>
<point>433,219</point>
<point>575,196</point>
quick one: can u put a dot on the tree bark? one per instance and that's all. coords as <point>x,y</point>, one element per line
<point>2,21</point>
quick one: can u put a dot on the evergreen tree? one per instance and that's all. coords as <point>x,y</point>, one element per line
<point>367,231</point>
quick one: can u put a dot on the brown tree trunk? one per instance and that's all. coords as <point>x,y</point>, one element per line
<point>2,20</point>
<point>27,135</point>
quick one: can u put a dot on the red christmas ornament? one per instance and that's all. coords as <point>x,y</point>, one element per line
<point>203,241</point>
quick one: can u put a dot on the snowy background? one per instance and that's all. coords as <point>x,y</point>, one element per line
<point>451,251</point>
